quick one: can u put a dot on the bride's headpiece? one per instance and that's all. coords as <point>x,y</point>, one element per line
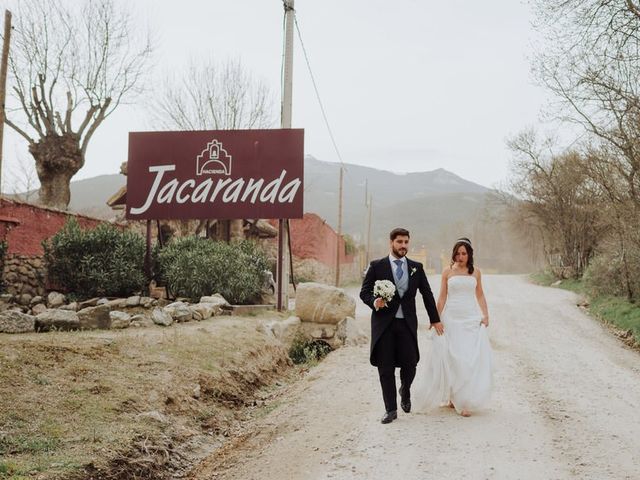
<point>463,240</point>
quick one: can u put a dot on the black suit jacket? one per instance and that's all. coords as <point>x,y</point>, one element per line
<point>381,320</point>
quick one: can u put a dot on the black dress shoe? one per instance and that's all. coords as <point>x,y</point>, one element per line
<point>389,416</point>
<point>405,401</point>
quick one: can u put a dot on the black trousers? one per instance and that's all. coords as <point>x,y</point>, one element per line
<point>396,348</point>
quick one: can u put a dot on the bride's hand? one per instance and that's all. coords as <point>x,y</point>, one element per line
<point>485,321</point>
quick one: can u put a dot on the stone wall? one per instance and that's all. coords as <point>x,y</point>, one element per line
<point>24,226</point>
<point>24,275</point>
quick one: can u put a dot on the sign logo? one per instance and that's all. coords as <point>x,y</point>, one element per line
<point>214,159</point>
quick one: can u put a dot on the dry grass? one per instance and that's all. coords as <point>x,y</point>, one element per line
<point>128,404</point>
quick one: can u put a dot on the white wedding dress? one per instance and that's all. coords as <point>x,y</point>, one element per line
<point>456,366</point>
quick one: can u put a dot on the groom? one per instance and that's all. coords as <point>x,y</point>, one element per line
<point>394,325</point>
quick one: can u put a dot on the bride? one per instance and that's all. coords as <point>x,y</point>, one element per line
<point>459,372</point>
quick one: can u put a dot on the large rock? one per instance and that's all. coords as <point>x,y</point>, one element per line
<point>133,301</point>
<point>205,310</point>
<point>54,319</point>
<point>320,303</point>
<point>13,321</point>
<point>179,311</point>
<point>55,299</point>
<point>283,330</point>
<point>72,306</point>
<point>141,320</point>
<point>216,299</point>
<point>38,309</point>
<point>160,317</point>
<point>92,318</point>
<point>119,319</point>
<point>350,333</point>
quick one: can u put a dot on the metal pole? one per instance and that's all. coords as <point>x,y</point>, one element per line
<point>339,233</point>
<point>282,277</point>
<point>369,232</point>
<point>3,81</point>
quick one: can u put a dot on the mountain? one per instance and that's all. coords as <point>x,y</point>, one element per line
<point>436,206</point>
<point>422,201</point>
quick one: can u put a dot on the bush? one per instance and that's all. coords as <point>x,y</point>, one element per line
<point>100,262</point>
<point>304,350</point>
<point>193,267</point>
<point>605,275</point>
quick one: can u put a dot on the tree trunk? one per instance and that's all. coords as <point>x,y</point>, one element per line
<point>236,233</point>
<point>58,158</point>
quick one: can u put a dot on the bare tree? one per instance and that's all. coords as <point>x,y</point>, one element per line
<point>24,179</point>
<point>214,96</point>
<point>558,200</point>
<point>591,61</point>
<point>71,66</point>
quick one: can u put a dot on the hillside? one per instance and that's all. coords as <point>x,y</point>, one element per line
<point>436,206</point>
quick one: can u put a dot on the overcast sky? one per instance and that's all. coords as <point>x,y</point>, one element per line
<point>409,85</point>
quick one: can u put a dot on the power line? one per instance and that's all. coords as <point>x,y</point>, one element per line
<point>315,87</point>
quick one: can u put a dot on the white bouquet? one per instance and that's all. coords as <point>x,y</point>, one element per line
<point>384,289</point>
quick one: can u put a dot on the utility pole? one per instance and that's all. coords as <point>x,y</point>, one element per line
<point>339,233</point>
<point>3,81</point>
<point>282,272</point>
<point>368,255</point>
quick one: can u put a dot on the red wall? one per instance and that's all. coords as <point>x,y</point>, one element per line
<point>311,237</point>
<point>35,224</point>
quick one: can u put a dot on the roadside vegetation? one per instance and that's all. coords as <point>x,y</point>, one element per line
<point>138,403</point>
<point>616,311</point>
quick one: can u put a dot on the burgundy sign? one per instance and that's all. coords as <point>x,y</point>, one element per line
<point>222,174</point>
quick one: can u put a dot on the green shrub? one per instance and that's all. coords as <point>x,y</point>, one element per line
<point>304,350</point>
<point>605,275</point>
<point>103,261</point>
<point>193,267</point>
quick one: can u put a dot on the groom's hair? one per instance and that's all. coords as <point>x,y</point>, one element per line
<point>396,232</point>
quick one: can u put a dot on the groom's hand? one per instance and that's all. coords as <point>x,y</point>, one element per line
<point>379,303</point>
<point>439,328</point>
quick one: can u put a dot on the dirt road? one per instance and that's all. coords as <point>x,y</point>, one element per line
<point>566,405</point>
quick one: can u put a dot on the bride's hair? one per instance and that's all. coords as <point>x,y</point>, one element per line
<point>466,243</point>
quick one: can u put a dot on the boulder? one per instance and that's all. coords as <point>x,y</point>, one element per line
<point>38,309</point>
<point>133,301</point>
<point>92,318</point>
<point>216,299</point>
<point>146,302</point>
<point>73,306</point>
<point>13,321</point>
<point>350,333</point>
<point>319,303</point>
<point>179,311</point>
<point>283,330</point>
<point>202,311</point>
<point>119,319</point>
<point>55,299</point>
<point>37,300</point>
<point>92,302</point>
<point>141,320</point>
<point>25,299</point>
<point>54,319</point>
<point>160,317</point>
<point>6,297</point>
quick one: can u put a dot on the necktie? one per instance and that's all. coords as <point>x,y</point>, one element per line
<point>399,272</point>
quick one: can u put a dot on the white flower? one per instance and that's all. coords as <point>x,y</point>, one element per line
<point>384,289</point>
<point>413,270</point>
